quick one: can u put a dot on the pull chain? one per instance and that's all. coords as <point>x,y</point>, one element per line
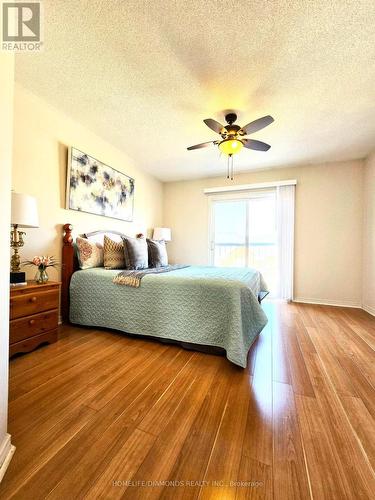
<point>230,170</point>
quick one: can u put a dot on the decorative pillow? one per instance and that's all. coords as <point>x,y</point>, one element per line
<point>157,253</point>
<point>135,253</point>
<point>89,254</point>
<point>113,254</point>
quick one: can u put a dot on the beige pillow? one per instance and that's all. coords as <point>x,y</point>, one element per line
<point>89,254</point>
<point>113,254</point>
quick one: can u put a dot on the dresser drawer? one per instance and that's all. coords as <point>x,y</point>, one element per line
<point>32,303</point>
<point>30,326</point>
<point>28,345</point>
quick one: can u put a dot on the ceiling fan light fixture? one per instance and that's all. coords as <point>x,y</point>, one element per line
<point>230,146</point>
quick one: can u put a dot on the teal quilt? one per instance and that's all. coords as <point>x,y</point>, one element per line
<point>200,305</point>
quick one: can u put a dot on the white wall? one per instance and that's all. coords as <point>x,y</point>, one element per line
<point>6,129</point>
<point>42,135</point>
<point>369,234</point>
<point>328,232</point>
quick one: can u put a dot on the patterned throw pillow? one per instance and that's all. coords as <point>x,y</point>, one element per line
<point>89,254</point>
<point>135,253</point>
<point>157,253</point>
<point>113,254</point>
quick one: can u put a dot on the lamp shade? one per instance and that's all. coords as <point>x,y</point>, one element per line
<point>162,233</point>
<point>230,146</point>
<point>24,210</point>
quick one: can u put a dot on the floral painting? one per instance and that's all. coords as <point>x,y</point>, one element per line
<point>97,188</point>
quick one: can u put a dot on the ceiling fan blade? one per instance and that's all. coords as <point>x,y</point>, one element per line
<point>202,145</point>
<point>213,125</point>
<point>256,145</point>
<point>258,124</point>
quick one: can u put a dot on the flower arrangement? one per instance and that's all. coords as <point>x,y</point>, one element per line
<point>41,262</point>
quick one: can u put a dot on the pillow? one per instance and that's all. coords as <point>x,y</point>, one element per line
<point>89,254</point>
<point>113,254</point>
<point>135,253</point>
<point>157,253</point>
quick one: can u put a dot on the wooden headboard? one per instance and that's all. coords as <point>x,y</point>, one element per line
<point>70,264</point>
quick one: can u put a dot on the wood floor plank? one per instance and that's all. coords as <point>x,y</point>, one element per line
<point>328,480</point>
<point>39,449</point>
<point>257,483</point>
<point>304,340</point>
<point>345,448</point>
<point>78,396</point>
<point>154,422</point>
<point>21,362</point>
<point>364,390</point>
<point>39,375</point>
<point>193,458</point>
<point>225,460</point>
<point>363,424</point>
<point>156,418</point>
<point>305,314</point>
<point>112,483</point>
<point>351,344</point>
<point>160,461</point>
<point>361,322</point>
<point>299,375</point>
<point>327,349</point>
<point>137,364</point>
<point>257,450</point>
<point>108,431</point>
<point>290,474</point>
<point>280,363</point>
<point>36,406</point>
<point>363,332</point>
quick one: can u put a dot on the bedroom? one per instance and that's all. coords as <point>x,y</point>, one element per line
<point>238,407</point>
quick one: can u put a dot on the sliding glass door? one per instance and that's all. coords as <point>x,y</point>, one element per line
<point>243,233</point>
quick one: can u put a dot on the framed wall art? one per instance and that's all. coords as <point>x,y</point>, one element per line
<point>96,188</point>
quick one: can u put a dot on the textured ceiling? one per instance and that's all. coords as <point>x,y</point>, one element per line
<point>144,74</point>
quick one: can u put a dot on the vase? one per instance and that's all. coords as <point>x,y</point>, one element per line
<point>41,276</point>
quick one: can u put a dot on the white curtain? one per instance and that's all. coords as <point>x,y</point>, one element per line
<point>285,240</point>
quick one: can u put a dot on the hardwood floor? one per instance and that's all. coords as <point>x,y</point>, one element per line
<point>102,415</point>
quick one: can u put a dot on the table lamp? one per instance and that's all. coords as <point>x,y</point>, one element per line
<point>162,234</point>
<point>24,214</point>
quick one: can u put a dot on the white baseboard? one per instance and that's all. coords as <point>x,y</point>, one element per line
<point>369,309</point>
<point>338,303</point>
<point>327,302</point>
<point>6,453</point>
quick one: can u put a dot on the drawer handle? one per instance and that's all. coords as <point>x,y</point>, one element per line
<point>33,299</point>
<point>31,322</point>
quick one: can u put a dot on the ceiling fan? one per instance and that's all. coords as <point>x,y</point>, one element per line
<point>233,137</point>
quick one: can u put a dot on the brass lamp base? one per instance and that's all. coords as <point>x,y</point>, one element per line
<point>16,242</point>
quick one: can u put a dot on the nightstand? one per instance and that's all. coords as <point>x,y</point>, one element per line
<point>34,315</point>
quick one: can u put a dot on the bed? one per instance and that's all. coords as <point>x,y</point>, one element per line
<point>195,305</point>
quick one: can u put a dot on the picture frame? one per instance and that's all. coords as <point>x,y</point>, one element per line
<point>97,188</point>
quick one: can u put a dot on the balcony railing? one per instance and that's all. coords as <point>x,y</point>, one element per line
<point>260,255</point>
<point>238,254</point>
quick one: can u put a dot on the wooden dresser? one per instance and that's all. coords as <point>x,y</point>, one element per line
<point>34,314</point>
